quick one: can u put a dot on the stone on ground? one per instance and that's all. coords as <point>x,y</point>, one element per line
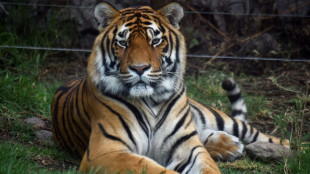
<point>44,135</point>
<point>36,122</point>
<point>267,151</point>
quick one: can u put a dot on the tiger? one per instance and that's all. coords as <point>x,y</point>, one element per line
<point>131,111</point>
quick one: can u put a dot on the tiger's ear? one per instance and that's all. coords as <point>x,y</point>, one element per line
<point>104,14</point>
<point>173,12</point>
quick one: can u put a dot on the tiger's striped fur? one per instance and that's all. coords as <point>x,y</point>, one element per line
<point>132,112</point>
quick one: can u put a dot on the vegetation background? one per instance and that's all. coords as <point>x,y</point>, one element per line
<point>263,44</point>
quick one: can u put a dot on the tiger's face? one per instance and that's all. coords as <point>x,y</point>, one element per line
<point>139,52</point>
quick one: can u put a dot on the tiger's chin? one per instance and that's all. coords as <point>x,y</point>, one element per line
<point>141,90</point>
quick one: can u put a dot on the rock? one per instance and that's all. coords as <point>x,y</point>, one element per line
<point>39,124</point>
<point>266,44</point>
<point>267,151</point>
<point>44,135</point>
<point>36,122</point>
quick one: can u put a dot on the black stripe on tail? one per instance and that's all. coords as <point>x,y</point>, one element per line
<point>239,110</point>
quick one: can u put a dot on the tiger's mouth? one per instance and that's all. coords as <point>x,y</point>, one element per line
<point>141,89</point>
<point>141,85</point>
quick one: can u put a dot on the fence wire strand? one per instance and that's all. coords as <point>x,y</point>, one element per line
<point>186,12</point>
<point>188,55</point>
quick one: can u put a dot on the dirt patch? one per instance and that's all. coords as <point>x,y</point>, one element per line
<point>53,164</point>
<point>4,136</point>
<point>64,67</point>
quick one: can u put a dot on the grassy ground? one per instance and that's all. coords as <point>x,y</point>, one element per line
<point>25,96</point>
<point>27,84</point>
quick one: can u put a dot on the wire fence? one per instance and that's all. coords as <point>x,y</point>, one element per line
<point>186,12</point>
<point>188,55</point>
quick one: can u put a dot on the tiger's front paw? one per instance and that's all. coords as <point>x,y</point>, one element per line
<point>224,147</point>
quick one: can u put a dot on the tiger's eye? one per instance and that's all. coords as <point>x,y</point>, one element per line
<point>156,41</point>
<point>122,43</point>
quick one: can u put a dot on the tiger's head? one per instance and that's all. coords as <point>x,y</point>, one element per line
<point>139,52</point>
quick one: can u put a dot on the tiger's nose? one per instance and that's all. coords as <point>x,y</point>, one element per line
<point>139,69</point>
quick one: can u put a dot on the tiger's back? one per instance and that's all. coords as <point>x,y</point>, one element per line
<point>70,118</point>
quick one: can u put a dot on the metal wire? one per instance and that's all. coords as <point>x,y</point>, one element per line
<point>249,14</point>
<point>186,12</point>
<point>47,48</point>
<point>250,58</point>
<point>188,55</point>
<point>45,5</point>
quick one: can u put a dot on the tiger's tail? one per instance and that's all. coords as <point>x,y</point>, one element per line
<point>239,109</point>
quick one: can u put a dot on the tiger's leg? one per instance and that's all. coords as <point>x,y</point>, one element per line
<point>178,147</point>
<point>112,154</point>
<point>191,157</point>
<point>216,129</point>
<point>109,156</point>
<point>121,161</point>
<point>198,162</point>
<point>221,145</point>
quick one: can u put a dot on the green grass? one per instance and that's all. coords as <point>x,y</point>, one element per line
<point>19,158</point>
<point>300,164</point>
<point>27,93</point>
<point>15,159</point>
<point>21,97</point>
<point>247,165</point>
